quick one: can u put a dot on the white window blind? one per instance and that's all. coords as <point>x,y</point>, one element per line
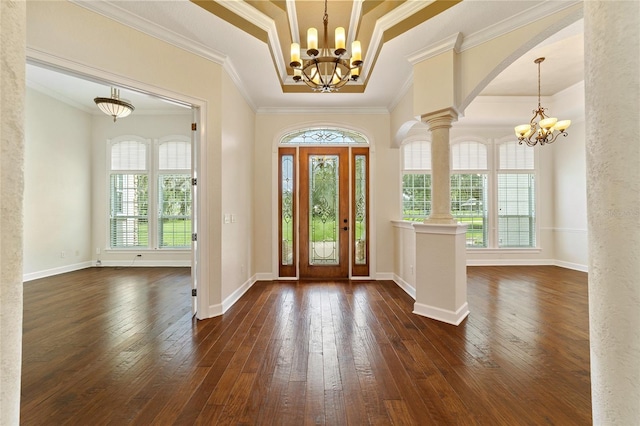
<point>469,156</point>
<point>514,156</point>
<point>417,155</point>
<point>174,155</point>
<point>129,155</point>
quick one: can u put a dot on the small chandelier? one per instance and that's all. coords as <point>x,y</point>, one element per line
<point>114,106</point>
<point>544,131</point>
<point>326,73</point>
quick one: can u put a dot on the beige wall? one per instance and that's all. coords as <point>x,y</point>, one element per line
<point>57,195</point>
<point>238,135</point>
<point>384,181</point>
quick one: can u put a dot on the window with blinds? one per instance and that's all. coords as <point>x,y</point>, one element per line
<point>129,194</point>
<point>516,196</point>
<point>492,190</point>
<point>416,180</point>
<point>174,194</point>
<point>469,179</point>
<point>137,184</point>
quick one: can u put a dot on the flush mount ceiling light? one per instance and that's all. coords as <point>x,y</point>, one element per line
<point>324,72</point>
<point>544,131</point>
<point>114,106</point>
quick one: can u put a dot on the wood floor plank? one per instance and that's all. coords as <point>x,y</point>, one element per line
<point>120,346</point>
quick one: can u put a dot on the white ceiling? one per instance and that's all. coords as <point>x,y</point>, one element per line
<point>187,25</point>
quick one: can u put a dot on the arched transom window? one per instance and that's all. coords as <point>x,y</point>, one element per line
<point>324,136</point>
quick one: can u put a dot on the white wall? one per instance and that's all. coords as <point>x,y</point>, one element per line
<point>570,185</point>
<point>384,175</point>
<point>151,127</point>
<point>57,195</point>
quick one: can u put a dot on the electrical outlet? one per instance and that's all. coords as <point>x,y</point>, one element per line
<point>63,254</point>
<point>411,269</point>
<point>97,250</point>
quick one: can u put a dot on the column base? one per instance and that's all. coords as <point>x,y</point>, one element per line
<point>443,315</point>
<point>441,272</point>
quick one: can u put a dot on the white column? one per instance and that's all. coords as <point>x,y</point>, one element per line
<point>612,98</point>
<point>439,124</point>
<point>441,256</point>
<point>12,94</point>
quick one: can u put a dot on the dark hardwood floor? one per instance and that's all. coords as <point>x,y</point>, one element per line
<point>120,346</point>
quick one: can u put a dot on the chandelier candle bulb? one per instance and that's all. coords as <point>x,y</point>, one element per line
<point>355,71</point>
<point>340,41</point>
<point>356,53</point>
<point>312,41</point>
<point>295,55</point>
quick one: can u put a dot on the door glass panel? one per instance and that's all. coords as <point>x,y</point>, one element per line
<point>323,210</point>
<point>361,209</point>
<point>286,186</point>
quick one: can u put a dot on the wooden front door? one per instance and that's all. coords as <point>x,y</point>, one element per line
<point>324,213</point>
<point>324,221</point>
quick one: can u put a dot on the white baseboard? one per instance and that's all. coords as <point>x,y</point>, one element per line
<point>408,288</point>
<point>385,276</point>
<point>145,263</point>
<point>56,271</point>
<point>574,266</point>
<point>443,315</point>
<point>510,262</point>
<point>219,309</point>
<point>265,276</point>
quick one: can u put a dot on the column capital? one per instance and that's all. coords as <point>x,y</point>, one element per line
<point>440,119</point>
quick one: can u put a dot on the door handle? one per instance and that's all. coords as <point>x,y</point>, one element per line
<point>345,228</point>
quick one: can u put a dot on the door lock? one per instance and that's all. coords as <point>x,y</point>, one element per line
<point>345,228</point>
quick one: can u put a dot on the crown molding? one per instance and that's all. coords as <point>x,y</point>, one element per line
<point>406,86</point>
<point>57,96</point>
<point>233,74</point>
<point>513,23</point>
<point>323,110</point>
<point>253,15</point>
<point>354,22</point>
<point>112,11</point>
<point>397,15</point>
<point>292,14</point>
<point>453,42</point>
<point>459,43</point>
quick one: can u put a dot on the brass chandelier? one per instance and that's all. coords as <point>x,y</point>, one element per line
<point>324,72</point>
<point>547,129</point>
